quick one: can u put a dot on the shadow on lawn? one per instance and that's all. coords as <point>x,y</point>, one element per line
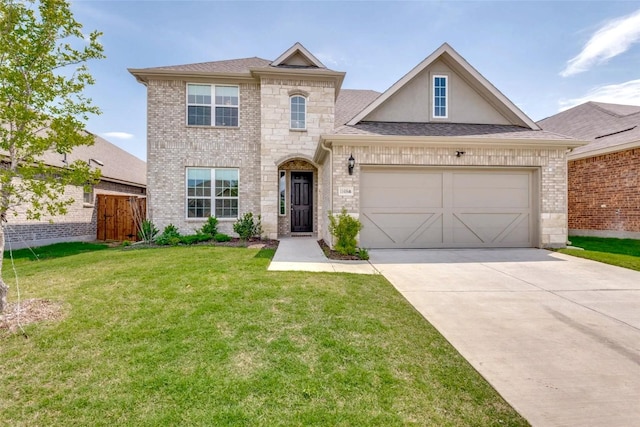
<point>57,250</point>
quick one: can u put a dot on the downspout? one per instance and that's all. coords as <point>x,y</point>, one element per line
<point>330,151</point>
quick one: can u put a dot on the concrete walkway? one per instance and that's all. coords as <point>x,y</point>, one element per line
<point>557,336</point>
<point>304,254</point>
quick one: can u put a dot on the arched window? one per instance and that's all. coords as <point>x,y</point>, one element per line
<point>298,112</point>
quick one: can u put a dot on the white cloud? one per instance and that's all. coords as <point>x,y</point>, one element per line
<point>612,39</point>
<point>117,135</point>
<point>623,93</point>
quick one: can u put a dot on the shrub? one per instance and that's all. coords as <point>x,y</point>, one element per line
<point>195,238</point>
<point>247,227</point>
<point>210,227</point>
<point>363,253</point>
<point>170,236</point>
<point>221,237</point>
<point>147,231</point>
<point>344,228</point>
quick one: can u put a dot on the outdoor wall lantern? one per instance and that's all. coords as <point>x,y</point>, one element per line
<point>351,164</point>
<point>459,153</point>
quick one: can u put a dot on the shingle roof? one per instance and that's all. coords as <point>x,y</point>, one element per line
<point>119,165</point>
<point>605,125</point>
<point>241,65</point>
<point>350,102</point>
<point>448,130</point>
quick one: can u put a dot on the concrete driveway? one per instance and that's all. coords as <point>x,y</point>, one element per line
<point>558,337</point>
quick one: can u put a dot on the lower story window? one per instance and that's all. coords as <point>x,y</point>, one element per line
<point>212,192</point>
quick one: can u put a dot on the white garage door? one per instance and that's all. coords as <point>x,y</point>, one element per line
<point>446,208</point>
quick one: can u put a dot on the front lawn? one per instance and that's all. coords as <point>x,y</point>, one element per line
<point>206,336</point>
<point>621,252</point>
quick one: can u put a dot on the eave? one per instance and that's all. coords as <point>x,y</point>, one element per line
<point>602,151</point>
<point>440,141</point>
<point>143,75</point>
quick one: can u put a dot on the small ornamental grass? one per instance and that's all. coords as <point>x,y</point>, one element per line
<point>204,335</point>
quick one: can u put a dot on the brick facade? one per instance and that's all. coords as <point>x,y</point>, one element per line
<point>172,146</point>
<point>78,224</point>
<point>549,164</point>
<point>604,195</point>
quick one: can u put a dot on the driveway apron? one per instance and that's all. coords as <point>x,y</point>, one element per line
<point>557,336</point>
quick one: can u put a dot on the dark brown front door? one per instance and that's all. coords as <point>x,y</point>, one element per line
<point>301,202</point>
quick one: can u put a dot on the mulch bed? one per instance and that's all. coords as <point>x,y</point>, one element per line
<point>29,311</point>
<point>234,243</point>
<point>331,254</point>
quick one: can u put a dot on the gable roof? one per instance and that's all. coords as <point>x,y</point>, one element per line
<point>350,102</point>
<point>609,127</point>
<point>118,165</point>
<point>300,53</point>
<point>463,68</point>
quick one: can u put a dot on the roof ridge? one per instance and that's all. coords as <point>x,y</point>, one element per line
<point>597,105</point>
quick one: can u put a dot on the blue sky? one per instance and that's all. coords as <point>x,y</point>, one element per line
<point>543,55</point>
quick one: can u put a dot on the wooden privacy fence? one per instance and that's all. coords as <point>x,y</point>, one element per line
<point>119,217</point>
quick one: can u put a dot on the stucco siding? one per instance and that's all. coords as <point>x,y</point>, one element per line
<point>413,102</point>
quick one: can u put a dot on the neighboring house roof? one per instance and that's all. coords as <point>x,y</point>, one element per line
<point>470,74</point>
<point>118,165</point>
<point>350,102</point>
<point>609,127</point>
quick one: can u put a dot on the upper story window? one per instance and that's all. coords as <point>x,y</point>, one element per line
<point>440,89</point>
<point>298,112</point>
<point>223,103</point>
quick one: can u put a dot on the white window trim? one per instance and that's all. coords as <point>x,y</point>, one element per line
<point>295,95</point>
<point>213,105</point>
<point>446,96</point>
<point>280,176</point>
<point>213,197</point>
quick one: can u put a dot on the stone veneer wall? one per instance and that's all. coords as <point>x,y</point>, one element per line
<point>552,224</point>
<point>79,224</point>
<point>172,146</point>
<point>604,195</point>
<point>279,143</point>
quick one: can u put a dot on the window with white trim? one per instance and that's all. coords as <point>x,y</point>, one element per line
<point>212,192</point>
<point>221,109</point>
<point>298,105</point>
<point>282,190</point>
<point>440,88</point>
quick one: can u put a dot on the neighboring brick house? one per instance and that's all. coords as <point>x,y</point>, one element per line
<point>604,176</point>
<point>121,174</point>
<point>440,159</point>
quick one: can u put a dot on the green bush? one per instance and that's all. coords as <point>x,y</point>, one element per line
<point>210,227</point>
<point>170,236</point>
<point>220,237</point>
<point>147,231</point>
<point>248,227</point>
<point>195,238</point>
<point>363,253</point>
<point>344,228</point>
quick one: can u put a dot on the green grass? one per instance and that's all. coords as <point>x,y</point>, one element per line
<point>206,336</point>
<point>621,252</point>
<point>55,251</point>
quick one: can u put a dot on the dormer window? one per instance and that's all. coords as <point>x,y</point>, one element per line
<point>440,104</point>
<point>200,104</point>
<point>298,112</point>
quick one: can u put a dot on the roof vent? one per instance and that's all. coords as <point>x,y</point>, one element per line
<point>616,132</point>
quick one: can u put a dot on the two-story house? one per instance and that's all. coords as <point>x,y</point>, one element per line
<point>440,159</point>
